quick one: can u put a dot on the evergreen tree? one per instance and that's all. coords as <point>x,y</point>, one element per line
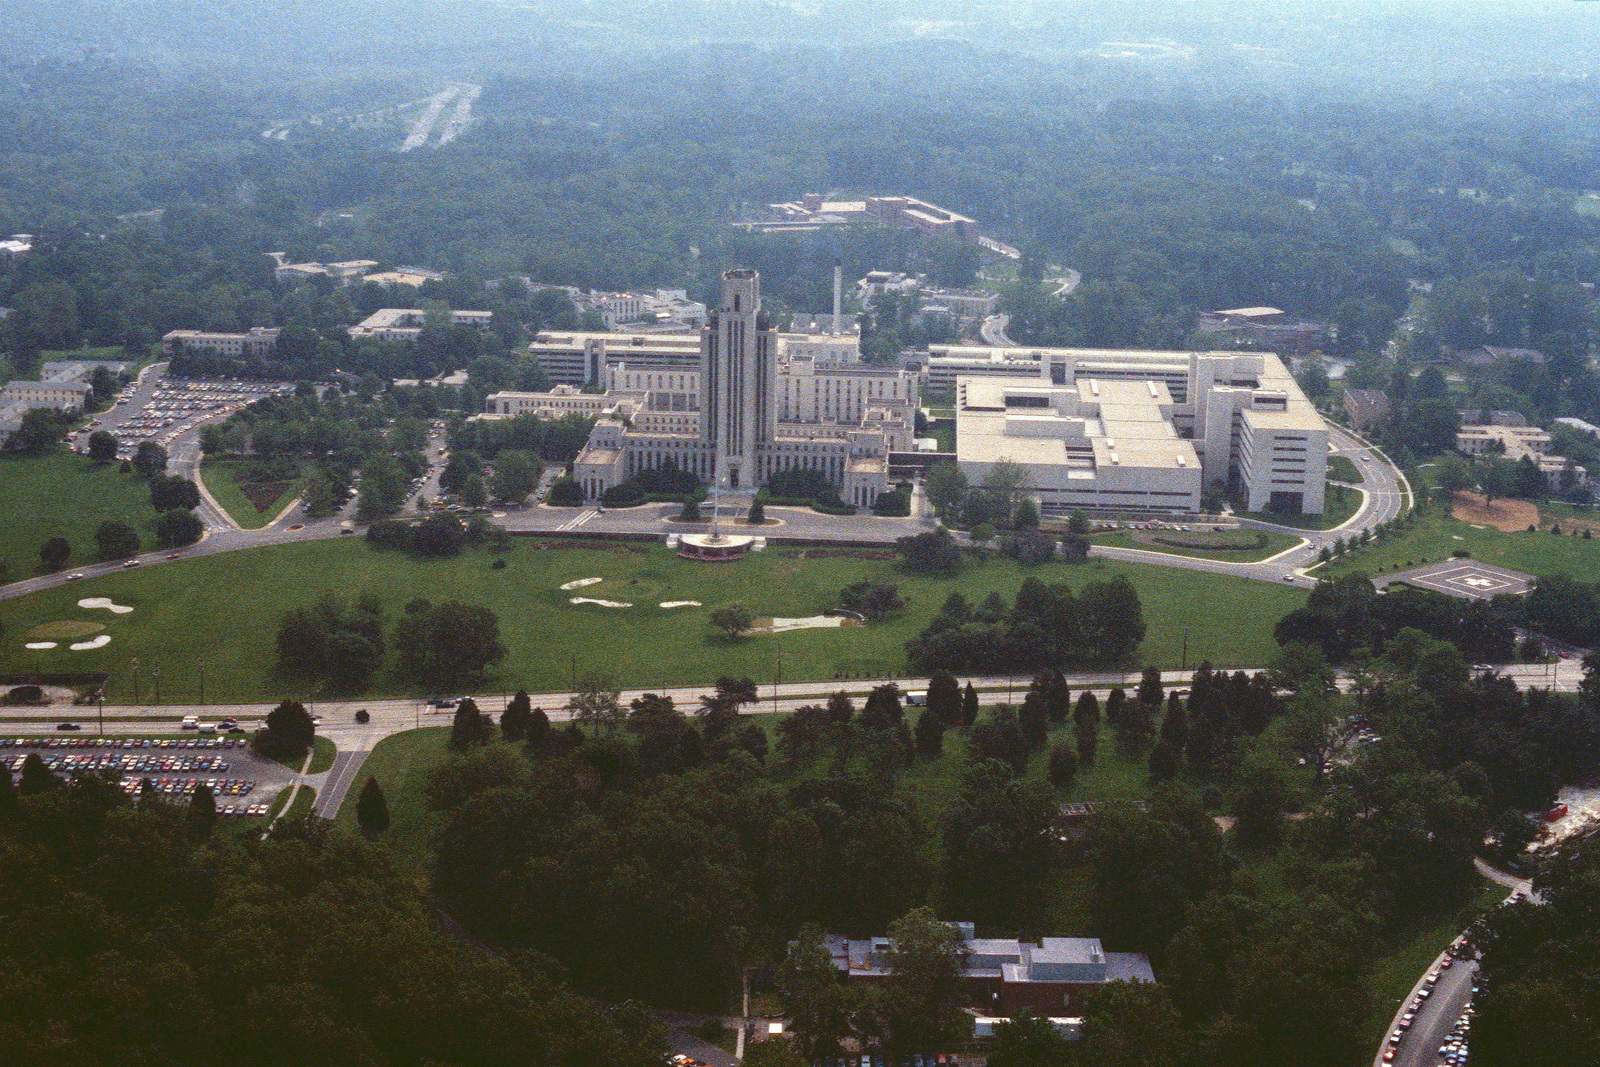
<point>1058,699</point>
<point>372,809</point>
<point>930,734</point>
<point>944,697</point>
<point>841,709</point>
<point>466,730</point>
<point>1164,761</point>
<point>514,723</point>
<point>540,732</point>
<point>1034,719</point>
<point>969,706</point>
<point>1150,691</point>
<point>8,793</point>
<point>1063,767</point>
<point>202,817</point>
<point>36,777</point>
<point>1088,709</point>
<point>1115,700</point>
<point>1087,732</point>
<point>1174,727</point>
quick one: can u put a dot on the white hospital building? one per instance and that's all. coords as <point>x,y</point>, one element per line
<point>1112,430</point>
<point>743,403</point>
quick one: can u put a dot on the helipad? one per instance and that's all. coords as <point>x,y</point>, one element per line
<point>1466,578</point>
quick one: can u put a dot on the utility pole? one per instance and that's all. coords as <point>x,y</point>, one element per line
<point>775,682</point>
<point>202,687</point>
<point>1186,648</point>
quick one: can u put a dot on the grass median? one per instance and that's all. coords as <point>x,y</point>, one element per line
<point>249,503</point>
<point>66,495</point>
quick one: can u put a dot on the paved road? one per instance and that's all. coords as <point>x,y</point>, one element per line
<point>993,331</point>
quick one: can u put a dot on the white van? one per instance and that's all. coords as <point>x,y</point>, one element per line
<point>917,699</point>
<point>190,722</point>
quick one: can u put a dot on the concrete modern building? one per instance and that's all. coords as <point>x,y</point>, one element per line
<point>1050,978</point>
<point>342,274</point>
<point>749,405</point>
<point>1137,431</point>
<point>404,324</point>
<point>671,305</point>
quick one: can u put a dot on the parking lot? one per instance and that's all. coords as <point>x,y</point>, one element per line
<point>243,784</point>
<point>174,405</point>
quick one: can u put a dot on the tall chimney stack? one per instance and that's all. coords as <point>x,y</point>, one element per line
<point>838,293</point>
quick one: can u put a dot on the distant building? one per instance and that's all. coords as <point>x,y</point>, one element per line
<point>965,303</point>
<point>341,274</point>
<point>66,395</point>
<point>1516,443</point>
<point>1264,326</point>
<point>1481,417</point>
<point>1051,978</point>
<point>1366,408</point>
<point>1106,430</point>
<point>255,343</point>
<point>739,406</point>
<point>672,305</point>
<point>404,324</point>
<point>1582,427</point>
<point>1489,356</point>
<point>397,277</point>
<point>812,212</point>
<point>17,245</point>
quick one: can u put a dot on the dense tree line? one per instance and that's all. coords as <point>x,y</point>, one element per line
<point>131,921</point>
<point>1047,624</point>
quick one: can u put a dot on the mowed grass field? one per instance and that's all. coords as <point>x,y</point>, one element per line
<point>223,611</point>
<point>1437,535</point>
<point>65,495</point>
<point>221,482</point>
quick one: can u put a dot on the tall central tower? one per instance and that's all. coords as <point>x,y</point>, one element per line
<point>738,370</point>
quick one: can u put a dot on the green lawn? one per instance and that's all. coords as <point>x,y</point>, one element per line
<point>1436,535</point>
<point>222,611</point>
<point>1276,542</point>
<point>401,763</point>
<point>222,481</point>
<point>65,495</point>
<point>1343,470</point>
<point>303,800</point>
<point>1340,504</point>
<point>945,431</point>
<point>322,752</point>
<point>112,353</point>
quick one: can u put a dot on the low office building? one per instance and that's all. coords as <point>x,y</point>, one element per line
<point>404,324</point>
<point>1519,442</point>
<point>746,407</point>
<point>1365,408</point>
<point>254,343</point>
<point>1051,978</point>
<point>1132,431</point>
<point>64,394</point>
<point>811,212</point>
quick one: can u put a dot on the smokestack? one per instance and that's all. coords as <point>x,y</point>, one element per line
<point>838,287</point>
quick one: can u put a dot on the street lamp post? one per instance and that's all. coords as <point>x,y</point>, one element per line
<point>775,683</point>
<point>202,687</point>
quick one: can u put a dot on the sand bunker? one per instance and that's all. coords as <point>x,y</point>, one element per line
<point>93,642</point>
<point>1507,515</point>
<point>581,582</point>
<point>39,646</point>
<point>103,602</point>
<point>815,622</point>
<point>602,603</point>
<point>680,603</point>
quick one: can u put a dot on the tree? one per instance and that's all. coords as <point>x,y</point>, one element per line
<point>944,697</point>
<point>946,488</point>
<point>757,514</point>
<point>818,1002</point>
<point>288,734</point>
<point>179,527</point>
<point>1026,516</point>
<point>873,600</point>
<point>35,777</point>
<point>596,703</point>
<point>1133,1024</point>
<point>116,540</point>
<point>149,459</point>
<point>1150,691</point>
<point>517,717</point>
<point>1063,766</point>
<point>924,989</point>
<point>473,493</point>
<point>733,620</point>
<point>930,734</point>
<point>470,727</point>
<point>969,706</point>
<point>372,809</point>
<point>566,493</point>
<point>1027,1041</point>
<point>40,431</point>
<point>516,474</point>
<point>54,553</point>
<point>1454,477</point>
<point>1086,726</point>
<point>449,642</point>
<point>102,446</point>
<point>202,817</point>
<point>171,491</point>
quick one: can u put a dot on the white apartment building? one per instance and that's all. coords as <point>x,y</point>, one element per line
<point>1110,430</point>
<point>742,411</point>
<point>66,395</point>
<point>254,343</point>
